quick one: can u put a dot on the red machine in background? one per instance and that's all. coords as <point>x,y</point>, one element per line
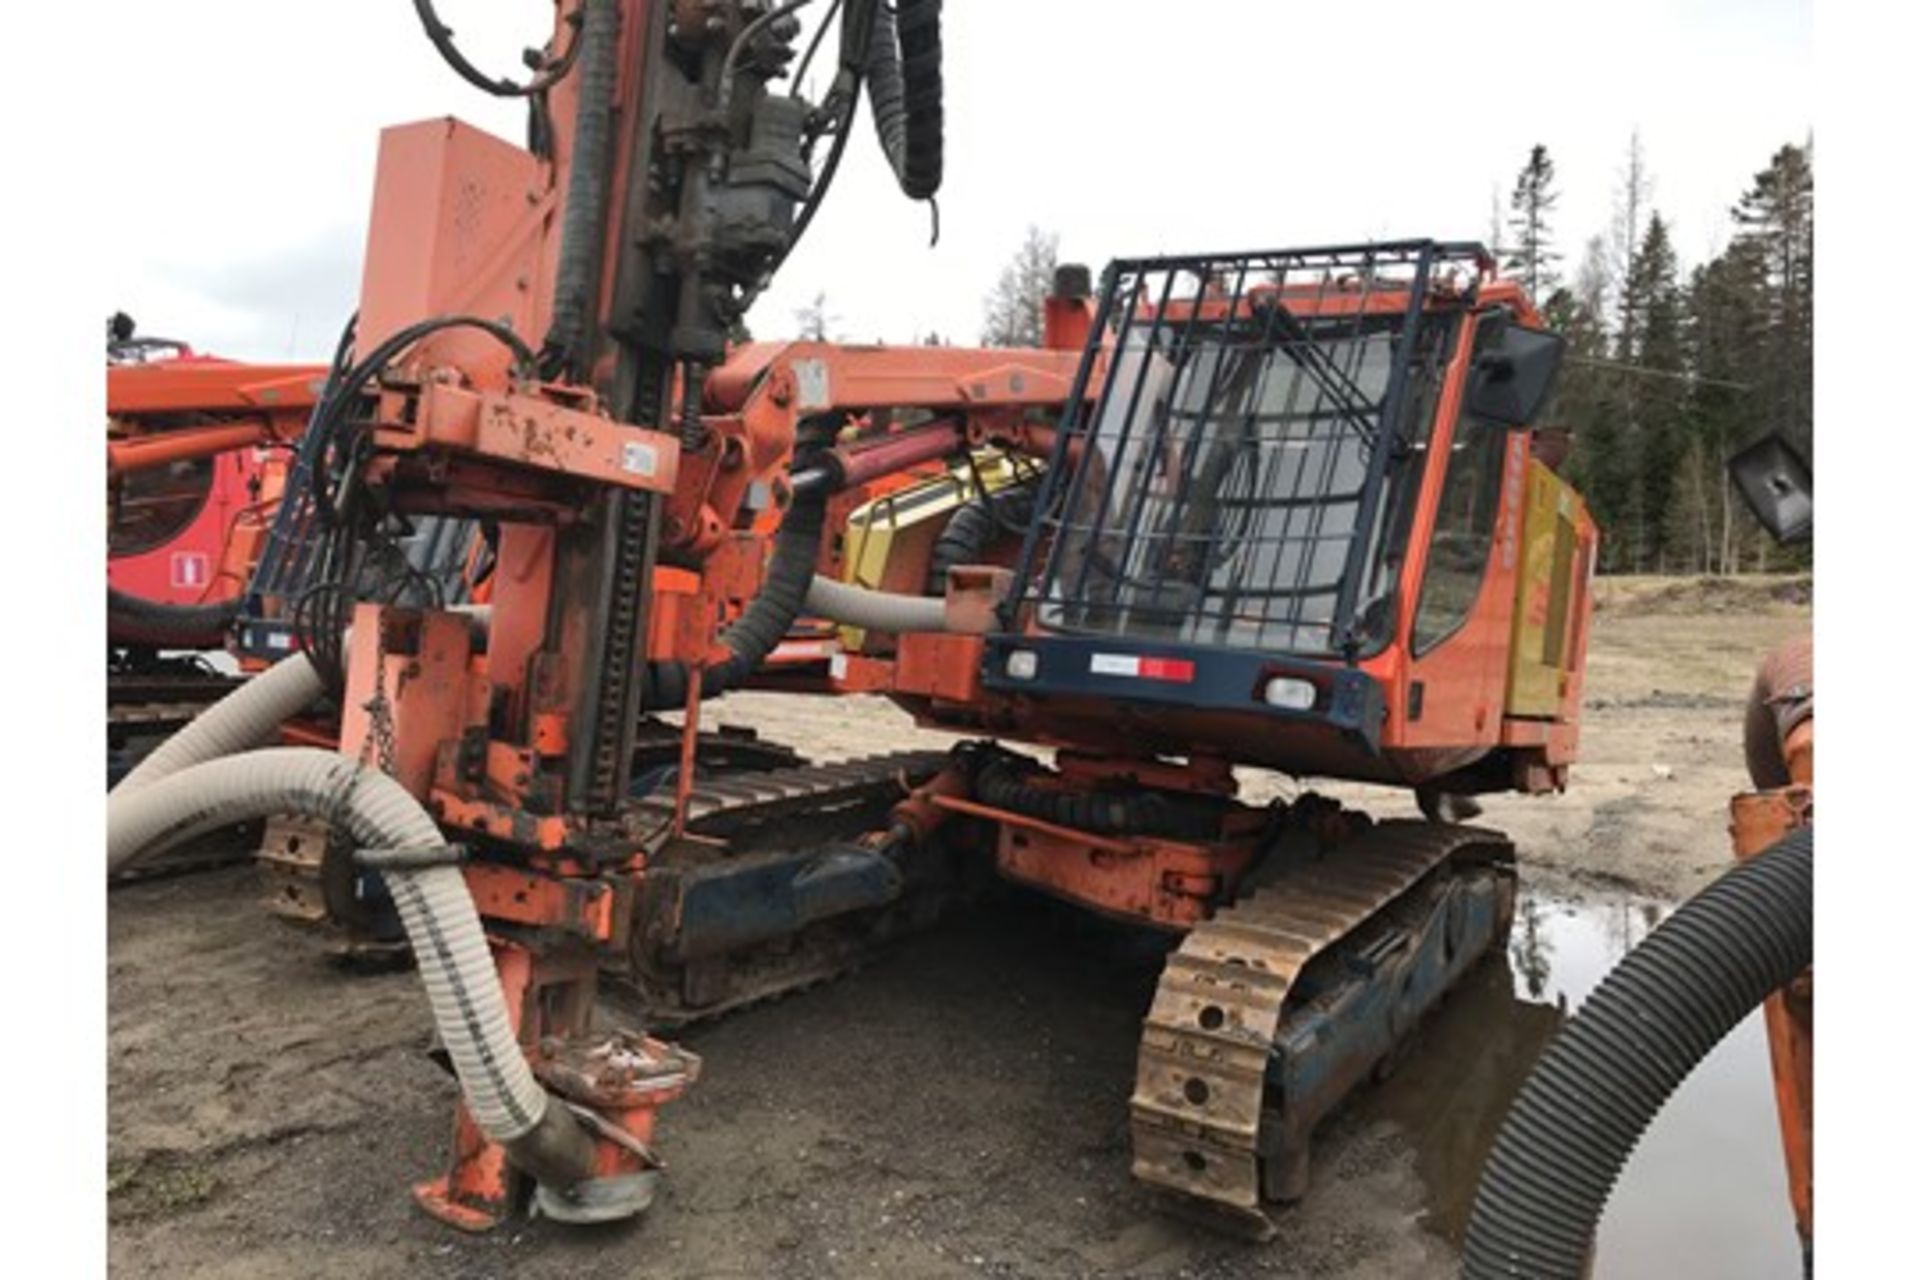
<point>1273,509</point>
<point>197,452</point>
<point>197,449</point>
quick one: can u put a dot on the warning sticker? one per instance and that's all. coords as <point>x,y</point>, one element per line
<point>189,569</point>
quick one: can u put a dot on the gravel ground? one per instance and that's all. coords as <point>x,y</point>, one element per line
<point>956,1110</point>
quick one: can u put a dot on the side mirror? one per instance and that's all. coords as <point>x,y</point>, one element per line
<point>1514,369</point>
<point>1777,484</point>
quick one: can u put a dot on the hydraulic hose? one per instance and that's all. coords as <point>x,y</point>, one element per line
<point>243,719</point>
<point>904,88</point>
<point>435,906</point>
<point>767,617</point>
<point>1611,1068</point>
<point>583,228</point>
<point>1000,780</point>
<point>870,610</point>
<point>133,620</point>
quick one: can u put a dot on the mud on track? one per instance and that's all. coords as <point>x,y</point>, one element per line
<point>958,1110</point>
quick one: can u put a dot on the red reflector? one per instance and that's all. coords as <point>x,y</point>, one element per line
<point>1180,669</point>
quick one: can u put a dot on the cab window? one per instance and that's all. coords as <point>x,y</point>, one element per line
<point>1462,530</point>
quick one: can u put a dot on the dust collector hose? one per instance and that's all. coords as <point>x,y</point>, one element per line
<point>243,719</point>
<point>871,610</point>
<point>1607,1074</point>
<point>435,906</point>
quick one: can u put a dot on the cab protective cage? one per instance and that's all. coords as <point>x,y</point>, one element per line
<point>1244,479</point>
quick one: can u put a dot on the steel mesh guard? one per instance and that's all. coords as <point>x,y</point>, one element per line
<point>1241,478</point>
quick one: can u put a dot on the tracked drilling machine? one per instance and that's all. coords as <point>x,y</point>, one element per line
<point>1298,524</point>
<point>1274,509</point>
<point>540,349</point>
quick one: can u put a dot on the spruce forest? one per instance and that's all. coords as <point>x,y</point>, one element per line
<point>1672,370</point>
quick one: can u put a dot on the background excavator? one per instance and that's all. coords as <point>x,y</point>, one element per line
<point>1263,509</point>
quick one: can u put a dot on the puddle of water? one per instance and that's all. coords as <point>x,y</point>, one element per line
<point>1705,1193</point>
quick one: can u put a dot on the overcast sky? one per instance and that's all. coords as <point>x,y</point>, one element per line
<point>246,161</point>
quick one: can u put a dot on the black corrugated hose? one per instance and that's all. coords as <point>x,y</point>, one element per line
<point>583,232</point>
<point>967,535</point>
<point>136,620</point>
<point>905,90</point>
<point>767,617</point>
<point>1613,1066</point>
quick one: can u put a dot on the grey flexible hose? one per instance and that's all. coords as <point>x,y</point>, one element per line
<point>870,610</point>
<point>435,906</point>
<point>1616,1062</point>
<point>243,719</point>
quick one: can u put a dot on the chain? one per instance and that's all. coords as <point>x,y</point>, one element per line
<point>379,709</point>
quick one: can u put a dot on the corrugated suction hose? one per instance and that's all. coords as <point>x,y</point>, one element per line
<point>442,924</point>
<point>1613,1066</point>
<point>247,717</point>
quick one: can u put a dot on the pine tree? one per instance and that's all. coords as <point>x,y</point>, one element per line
<point>1661,400</point>
<point>1775,218</point>
<point>1532,255</point>
<point>815,321</point>
<point>1016,309</point>
<point>1600,465</point>
<point>1630,203</point>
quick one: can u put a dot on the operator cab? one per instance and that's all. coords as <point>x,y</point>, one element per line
<point>1227,524</point>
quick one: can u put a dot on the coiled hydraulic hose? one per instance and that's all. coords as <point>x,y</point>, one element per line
<point>436,908</point>
<point>1616,1062</point>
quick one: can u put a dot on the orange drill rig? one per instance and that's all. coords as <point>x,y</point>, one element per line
<point>1282,512</point>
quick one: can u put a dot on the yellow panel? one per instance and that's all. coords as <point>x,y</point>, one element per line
<point>1548,539</point>
<point>906,522</point>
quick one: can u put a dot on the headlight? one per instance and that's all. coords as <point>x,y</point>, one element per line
<point>1290,694</point>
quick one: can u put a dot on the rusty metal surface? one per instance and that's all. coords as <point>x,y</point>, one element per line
<point>1201,1120</point>
<point>291,859</point>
